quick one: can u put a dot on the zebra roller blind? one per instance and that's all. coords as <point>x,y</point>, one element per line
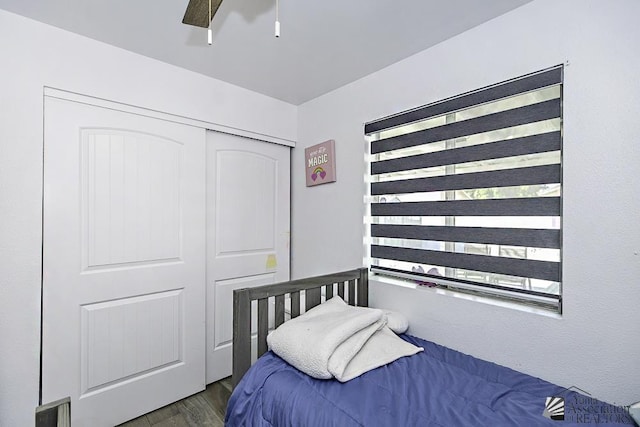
<point>467,192</point>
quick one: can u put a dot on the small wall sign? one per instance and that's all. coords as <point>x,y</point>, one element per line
<point>320,162</point>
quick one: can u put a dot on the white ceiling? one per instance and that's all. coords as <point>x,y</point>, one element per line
<point>324,44</point>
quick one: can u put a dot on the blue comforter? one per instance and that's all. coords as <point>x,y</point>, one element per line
<point>439,387</point>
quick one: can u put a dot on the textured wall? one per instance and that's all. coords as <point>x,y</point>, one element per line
<point>596,344</point>
<point>36,55</point>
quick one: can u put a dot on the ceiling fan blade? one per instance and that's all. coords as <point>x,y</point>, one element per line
<point>197,12</point>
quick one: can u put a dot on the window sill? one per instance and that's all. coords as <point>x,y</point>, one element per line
<point>497,302</point>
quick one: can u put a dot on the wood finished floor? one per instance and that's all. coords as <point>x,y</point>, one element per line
<point>206,408</point>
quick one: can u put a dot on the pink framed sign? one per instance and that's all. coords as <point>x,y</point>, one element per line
<point>320,162</point>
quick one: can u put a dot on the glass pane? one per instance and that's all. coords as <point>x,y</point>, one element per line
<point>537,128</point>
<point>505,104</point>
<point>413,127</point>
<point>517,101</point>
<point>520,191</point>
<point>545,126</point>
<point>538,159</point>
<point>544,222</point>
<point>507,251</point>
<point>410,151</point>
<point>480,277</point>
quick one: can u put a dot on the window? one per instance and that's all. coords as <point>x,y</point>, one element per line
<point>466,193</point>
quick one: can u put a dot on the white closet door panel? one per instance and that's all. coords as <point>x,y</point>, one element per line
<point>124,262</point>
<point>248,199</point>
<point>131,337</point>
<point>131,196</point>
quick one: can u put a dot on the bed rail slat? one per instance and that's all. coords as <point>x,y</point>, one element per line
<point>295,304</point>
<point>241,334</point>
<point>263,325</point>
<point>363,288</point>
<point>341,290</point>
<point>328,292</point>
<point>312,298</point>
<point>352,292</point>
<point>279,318</point>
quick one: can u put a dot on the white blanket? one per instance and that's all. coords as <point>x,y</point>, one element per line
<point>337,340</point>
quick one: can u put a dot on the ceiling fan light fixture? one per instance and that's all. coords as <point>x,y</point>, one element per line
<point>277,29</point>
<point>209,32</point>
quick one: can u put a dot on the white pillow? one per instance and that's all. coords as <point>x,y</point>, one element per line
<point>397,322</point>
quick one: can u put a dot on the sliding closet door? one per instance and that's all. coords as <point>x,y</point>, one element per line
<point>247,231</point>
<point>124,265</point>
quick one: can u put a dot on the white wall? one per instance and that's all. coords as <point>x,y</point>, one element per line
<point>34,55</point>
<point>596,343</point>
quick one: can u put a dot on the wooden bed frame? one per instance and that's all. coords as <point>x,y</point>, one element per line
<point>352,286</point>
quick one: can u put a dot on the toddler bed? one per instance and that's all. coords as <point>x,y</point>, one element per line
<point>436,387</point>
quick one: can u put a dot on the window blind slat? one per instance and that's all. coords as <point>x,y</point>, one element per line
<point>517,116</point>
<point>491,93</point>
<point>543,270</point>
<point>547,174</point>
<point>534,238</point>
<point>533,206</point>
<point>495,150</point>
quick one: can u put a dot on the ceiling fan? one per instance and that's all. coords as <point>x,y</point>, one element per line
<point>199,13</point>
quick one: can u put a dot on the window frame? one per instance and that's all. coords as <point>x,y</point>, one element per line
<point>540,80</point>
